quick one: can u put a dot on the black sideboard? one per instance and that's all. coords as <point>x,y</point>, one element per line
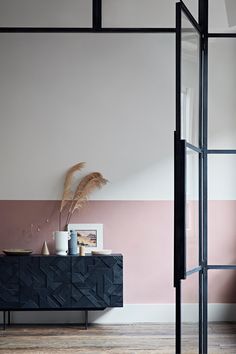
<point>54,282</point>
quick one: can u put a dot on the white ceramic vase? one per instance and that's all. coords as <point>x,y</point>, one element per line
<point>61,242</point>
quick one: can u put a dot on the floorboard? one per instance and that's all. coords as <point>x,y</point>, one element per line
<point>115,339</point>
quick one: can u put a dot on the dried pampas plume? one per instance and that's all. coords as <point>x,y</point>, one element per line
<point>67,193</point>
<point>86,186</point>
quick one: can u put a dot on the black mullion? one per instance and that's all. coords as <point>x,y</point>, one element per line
<point>205,174</point>
<point>200,184</point>
<point>201,251</point>
<point>205,310</point>
<point>222,152</point>
<point>138,30</point>
<point>178,317</point>
<point>221,35</point>
<point>221,267</point>
<point>201,8</point>
<point>46,29</point>
<point>179,195</point>
<point>178,71</point>
<point>200,12</point>
<point>86,30</point>
<point>200,324</point>
<point>97,14</point>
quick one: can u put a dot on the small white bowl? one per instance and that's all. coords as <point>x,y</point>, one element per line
<point>106,252</point>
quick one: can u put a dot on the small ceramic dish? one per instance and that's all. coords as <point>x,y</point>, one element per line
<point>16,252</point>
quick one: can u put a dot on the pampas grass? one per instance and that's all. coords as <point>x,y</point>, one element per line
<point>67,193</point>
<point>85,187</point>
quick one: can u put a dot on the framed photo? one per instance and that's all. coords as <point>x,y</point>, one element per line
<point>88,235</point>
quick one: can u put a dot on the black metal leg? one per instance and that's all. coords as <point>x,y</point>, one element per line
<point>9,317</point>
<point>4,320</point>
<point>86,319</point>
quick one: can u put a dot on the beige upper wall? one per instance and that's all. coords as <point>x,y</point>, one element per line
<point>45,13</point>
<point>79,12</point>
<point>104,99</point>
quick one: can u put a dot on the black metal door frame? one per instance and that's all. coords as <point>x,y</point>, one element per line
<point>180,268</point>
<point>180,272</point>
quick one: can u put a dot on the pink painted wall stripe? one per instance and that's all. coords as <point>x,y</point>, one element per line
<point>140,230</point>
<point>143,232</point>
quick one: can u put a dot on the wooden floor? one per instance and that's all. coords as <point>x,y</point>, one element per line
<point>116,339</point>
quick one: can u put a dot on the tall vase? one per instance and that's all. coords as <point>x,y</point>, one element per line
<point>61,242</point>
<point>73,243</point>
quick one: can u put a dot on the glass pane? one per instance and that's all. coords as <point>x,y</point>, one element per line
<point>192,210</point>
<point>222,87</point>
<point>221,311</point>
<point>46,13</point>
<point>222,209</point>
<point>222,15</point>
<point>192,6</point>
<point>190,314</point>
<point>138,13</point>
<point>190,82</point>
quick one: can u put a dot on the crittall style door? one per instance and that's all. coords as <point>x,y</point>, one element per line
<point>188,223</point>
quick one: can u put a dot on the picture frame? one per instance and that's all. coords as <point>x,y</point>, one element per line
<point>88,235</point>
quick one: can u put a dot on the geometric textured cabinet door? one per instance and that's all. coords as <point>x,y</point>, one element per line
<point>9,282</point>
<point>97,282</point>
<point>45,282</point>
<point>61,282</point>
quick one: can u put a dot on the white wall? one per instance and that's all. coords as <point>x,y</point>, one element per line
<point>104,99</point>
<point>222,86</point>
<point>130,13</point>
<point>222,117</point>
<point>138,13</point>
<point>108,100</point>
<point>46,13</point>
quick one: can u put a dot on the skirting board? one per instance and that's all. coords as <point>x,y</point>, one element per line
<point>130,313</point>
